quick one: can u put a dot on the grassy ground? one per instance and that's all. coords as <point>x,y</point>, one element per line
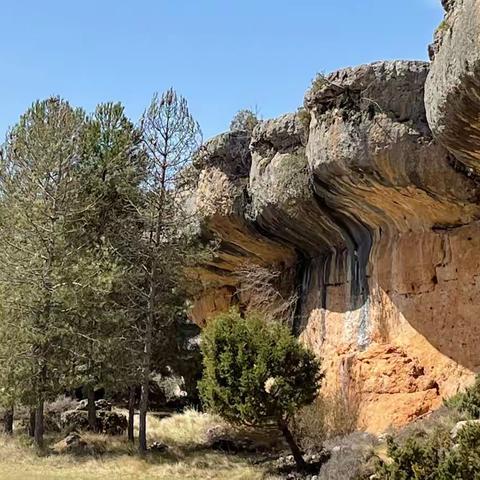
<point>186,460</point>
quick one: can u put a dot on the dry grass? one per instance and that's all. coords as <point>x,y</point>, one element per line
<point>18,461</point>
<point>186,430</point>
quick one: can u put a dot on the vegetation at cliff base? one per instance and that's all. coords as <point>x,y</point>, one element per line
<point>436,456</point>
<point>468,401</point>
<point>257,373</point>
<point>443,453</point>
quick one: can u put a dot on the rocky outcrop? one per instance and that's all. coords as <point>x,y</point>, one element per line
<point>373,223</point>
<point>108,422</point>
<point>452,89</point>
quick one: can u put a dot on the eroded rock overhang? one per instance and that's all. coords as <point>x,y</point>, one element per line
<point>372,221</point>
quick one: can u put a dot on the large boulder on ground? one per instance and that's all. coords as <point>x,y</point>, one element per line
<point>75,444</point>
<point>72,443</point>
<point>158,447</point>
<point>103,404</point>
<point>74,420</point>
<point>111,423</point>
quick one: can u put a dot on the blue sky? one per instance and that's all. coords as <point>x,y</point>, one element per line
<point>222,55</point>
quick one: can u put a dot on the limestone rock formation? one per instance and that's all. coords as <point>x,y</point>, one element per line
<point>371,221</point>
<point>452,89</point>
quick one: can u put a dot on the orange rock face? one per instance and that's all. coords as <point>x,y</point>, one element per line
<point>380,226</point>
<point>422,327</point>
<point>394,387</point>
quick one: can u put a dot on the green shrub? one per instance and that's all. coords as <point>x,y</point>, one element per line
<point>442,27</point>
<point>305,118</point>
<point>418,458</point>
<point>319,82</point>
<point>463,462</point>
<point>468,401</point>
<point>245,120</point>
<point>435,457</point>
<point>256,373</point>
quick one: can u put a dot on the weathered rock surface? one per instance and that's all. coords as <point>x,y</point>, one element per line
<point>78,445</point>
<point>108,422</point>
<point>73,444</point>
<point>452,89</point>
<point>371,220</point>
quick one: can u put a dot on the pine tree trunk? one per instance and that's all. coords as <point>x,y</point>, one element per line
<point>8,421</point>
<point>91,409</point>
<point>142,429</point>
<point>145,387</point>
<point>152,299</point>
<point>31,423</point>
<point>131,414</point>
<point>39,416</point>
<point>296,452</point>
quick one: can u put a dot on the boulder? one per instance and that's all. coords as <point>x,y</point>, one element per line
<point>82,404</point>
<point>108,422</point>
<point>112,423</point>
<point>103,404</point>
<point>75,444</point>
<point>74,420</point>
<point>158,447</point>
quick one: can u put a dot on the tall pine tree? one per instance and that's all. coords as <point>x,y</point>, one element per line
<point>38,189</point>
<point>170,138</point>
<point>111,172</point>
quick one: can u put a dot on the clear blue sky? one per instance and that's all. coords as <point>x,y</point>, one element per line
<point>223,55</point>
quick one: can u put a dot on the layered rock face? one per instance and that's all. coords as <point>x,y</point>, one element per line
<point>373,225</point>
<point>452,90</point>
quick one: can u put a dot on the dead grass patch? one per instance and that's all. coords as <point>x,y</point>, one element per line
<point>186,433</point>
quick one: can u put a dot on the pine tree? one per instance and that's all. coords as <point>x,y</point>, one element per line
<point>170,137</point>
<point>111,172</point>
<point>38,279</point>
<point>9,348</point>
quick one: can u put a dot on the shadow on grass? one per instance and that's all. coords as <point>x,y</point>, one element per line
<point>102,447</point>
